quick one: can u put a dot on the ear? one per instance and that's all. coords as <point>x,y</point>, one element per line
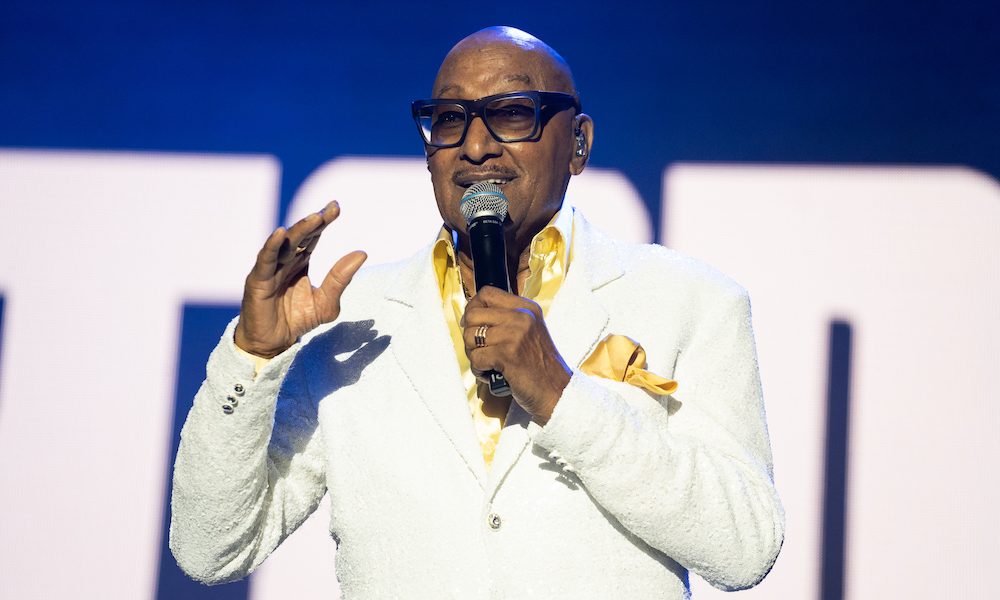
<point>583,133</point>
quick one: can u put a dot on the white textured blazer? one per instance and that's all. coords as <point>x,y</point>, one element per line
<point>618,496</point>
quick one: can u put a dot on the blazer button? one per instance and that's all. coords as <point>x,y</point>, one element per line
<point>494,521</point>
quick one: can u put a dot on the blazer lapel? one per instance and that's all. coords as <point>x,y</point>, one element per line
<point>424,350</point>
<point>577,321</point>
<point>513,440</point>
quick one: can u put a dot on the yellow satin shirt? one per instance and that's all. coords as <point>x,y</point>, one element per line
<point>550,254</point>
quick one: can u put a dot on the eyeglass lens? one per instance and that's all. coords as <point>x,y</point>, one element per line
<point>510,119</point>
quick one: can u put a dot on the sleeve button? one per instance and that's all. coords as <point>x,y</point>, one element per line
<point>239,389</point>
<point>227,408</point>
<point>233,401</point>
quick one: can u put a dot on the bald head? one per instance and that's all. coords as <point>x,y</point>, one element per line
<point>530,63</point>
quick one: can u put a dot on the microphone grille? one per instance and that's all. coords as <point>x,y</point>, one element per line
<point>483,197</point>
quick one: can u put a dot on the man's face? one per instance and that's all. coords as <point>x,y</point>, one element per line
<point>535,173</point>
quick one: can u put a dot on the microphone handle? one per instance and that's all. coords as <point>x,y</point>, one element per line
<point>489,261</point>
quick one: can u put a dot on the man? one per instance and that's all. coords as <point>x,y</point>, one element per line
<point>601,479</point>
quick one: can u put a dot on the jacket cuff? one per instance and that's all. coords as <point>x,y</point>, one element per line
<point>235,384</point>
<point>587,411</point>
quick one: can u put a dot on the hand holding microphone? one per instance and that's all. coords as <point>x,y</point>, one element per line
<point>485,208</point>
<point>505,336</point>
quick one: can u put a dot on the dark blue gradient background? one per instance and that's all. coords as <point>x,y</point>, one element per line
<point>780,81</point>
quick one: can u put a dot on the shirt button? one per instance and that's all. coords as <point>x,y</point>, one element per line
<point>238,388</point>
<point>494,521</point>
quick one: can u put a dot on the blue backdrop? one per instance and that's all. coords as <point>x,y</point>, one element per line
<point>785,80</point>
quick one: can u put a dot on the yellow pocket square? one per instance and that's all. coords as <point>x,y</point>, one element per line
<point>621,358</point>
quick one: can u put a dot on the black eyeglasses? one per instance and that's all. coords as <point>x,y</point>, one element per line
<point>509,117</point>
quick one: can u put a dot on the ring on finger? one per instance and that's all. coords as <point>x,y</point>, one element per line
<point>481,336</point>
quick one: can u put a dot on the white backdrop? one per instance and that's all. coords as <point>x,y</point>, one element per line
<point>101,251</point>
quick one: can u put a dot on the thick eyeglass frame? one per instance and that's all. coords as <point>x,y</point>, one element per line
<point>547,104</point>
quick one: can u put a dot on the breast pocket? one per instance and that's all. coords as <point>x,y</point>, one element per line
<point>663,362</point>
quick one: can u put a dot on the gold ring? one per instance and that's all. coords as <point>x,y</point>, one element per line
<point>481,336</point>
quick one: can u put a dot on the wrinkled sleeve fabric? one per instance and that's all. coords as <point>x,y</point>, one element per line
<point>690,474</point>
<point>244,481</point>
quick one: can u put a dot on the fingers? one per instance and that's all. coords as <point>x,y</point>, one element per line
<point>505,331</point>
<point>303,236</point>
<point>267,258</point>
<point>491,296</point>
<point>476,315</point>
<point>330,212</point>
<point>495,334</point>
<point>483,360</point>
<point>294,244</point>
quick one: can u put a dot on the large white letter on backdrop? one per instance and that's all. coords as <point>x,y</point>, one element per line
<point>100,251</point>
<point>910,258</point>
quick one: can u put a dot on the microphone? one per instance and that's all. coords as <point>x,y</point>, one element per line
<point>485,208</point>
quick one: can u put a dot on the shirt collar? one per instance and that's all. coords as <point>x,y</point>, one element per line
<point>561,225</point>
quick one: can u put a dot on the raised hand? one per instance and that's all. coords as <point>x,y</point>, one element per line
<point>279,301</point>
<point>517,344</point>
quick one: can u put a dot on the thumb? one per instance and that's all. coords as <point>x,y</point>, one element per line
<point>340,276</point>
